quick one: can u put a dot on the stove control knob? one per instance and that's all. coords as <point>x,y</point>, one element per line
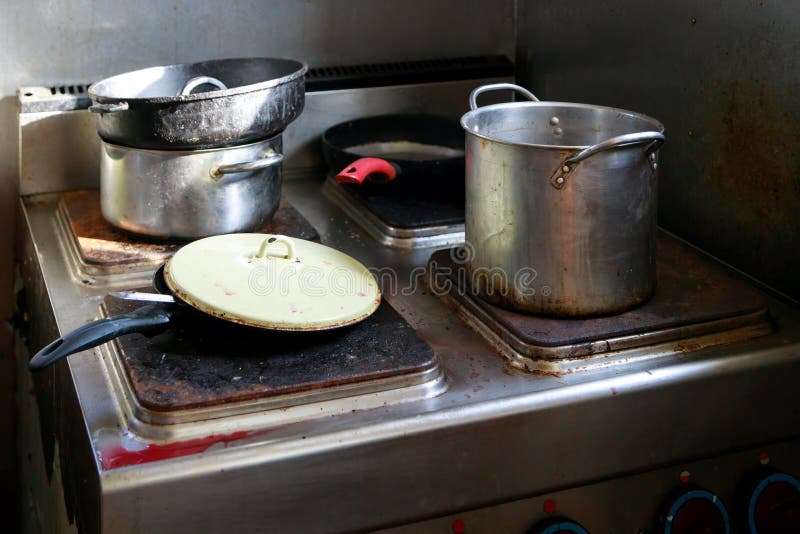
<point>773,505</point>
<point>694,511</point>
<point>557,525</point>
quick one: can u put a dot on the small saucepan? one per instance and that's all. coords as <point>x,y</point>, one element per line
<point>412,151</point>
<point>265,281</point>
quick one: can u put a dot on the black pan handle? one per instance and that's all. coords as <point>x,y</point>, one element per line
<point>148,320</point>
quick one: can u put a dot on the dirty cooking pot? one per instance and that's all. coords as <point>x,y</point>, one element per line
<point>560,205</point>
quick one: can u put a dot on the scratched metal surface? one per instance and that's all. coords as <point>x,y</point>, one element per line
<point>723,76</point>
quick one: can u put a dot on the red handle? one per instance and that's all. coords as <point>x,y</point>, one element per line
<point>357,172</point>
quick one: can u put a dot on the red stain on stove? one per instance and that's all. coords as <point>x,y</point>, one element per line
<point>477,389</point>
<point>613,391</point>
<point>361,294</point>
<point>292,308</point>
<point>118,456</point>
<point>228,292</point>
<point>474,374</point>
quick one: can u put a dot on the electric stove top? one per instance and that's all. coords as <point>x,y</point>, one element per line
<point>234,430</point>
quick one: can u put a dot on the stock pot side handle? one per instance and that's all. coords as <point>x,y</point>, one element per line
<point>654,139</point>
<point>270,158</point>
<point>473,96</point>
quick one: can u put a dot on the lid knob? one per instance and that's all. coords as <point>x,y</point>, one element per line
<point>266,250</point>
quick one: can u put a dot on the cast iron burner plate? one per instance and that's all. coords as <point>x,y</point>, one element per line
<point>101,244</point>
<point>206,361</point>
<point>401,207</point>
<point>695,296</point>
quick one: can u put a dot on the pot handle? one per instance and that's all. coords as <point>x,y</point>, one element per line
<point>360,169</point>
<point>654,140</point>
<point>271,158</point>
<point>473,96</point>
<point>201,80</point>
<point>148,320</point>
<point>108,108</point>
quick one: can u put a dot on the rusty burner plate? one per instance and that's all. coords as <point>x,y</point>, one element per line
<point>696,298</point>
<point>102,246</point>
<point>203,361</point>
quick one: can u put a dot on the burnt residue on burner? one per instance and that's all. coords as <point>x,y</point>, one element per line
<point>100,243</point>
<point>693,292</point>
<point>403,207</point>
<point>203,361</point>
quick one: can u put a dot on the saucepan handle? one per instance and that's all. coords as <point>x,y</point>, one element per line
<point>108,108</point>
<point>473,96</point>
<point>653,140</point>
<point>360,169</point>
<point>270,158</point>
<point>201,80</point>
<point>148,320</point>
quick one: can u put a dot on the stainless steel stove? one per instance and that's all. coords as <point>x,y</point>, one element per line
<point>683,428</point>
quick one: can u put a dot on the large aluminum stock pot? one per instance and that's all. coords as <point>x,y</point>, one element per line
<point>193,193</point>
<point>560,205</point>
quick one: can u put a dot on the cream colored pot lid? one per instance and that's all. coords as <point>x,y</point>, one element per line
<point>273,281</point>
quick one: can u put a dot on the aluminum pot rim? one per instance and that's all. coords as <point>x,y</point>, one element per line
<point>183,152</point>
<point>300,72</point>
<point>658,126</point>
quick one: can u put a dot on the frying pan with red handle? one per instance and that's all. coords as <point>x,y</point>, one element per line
<point>403,151</point>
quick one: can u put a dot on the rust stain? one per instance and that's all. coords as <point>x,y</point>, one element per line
<point>100,243</point>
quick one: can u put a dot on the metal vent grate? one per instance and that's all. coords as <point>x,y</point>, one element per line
<point>66,97</point>
<point>79,89</point>
<point>407,72</point>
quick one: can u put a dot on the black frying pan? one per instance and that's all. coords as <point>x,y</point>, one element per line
<point>408,150</point>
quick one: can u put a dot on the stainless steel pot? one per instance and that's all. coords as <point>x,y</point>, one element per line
<point>561,205</point>
<point>190,194</point>
<point>249,99</point>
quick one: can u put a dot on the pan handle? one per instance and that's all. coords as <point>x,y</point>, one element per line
<point>148,320</point>
<point>360,169</point>
<point>197,81</point>
<point>473,96</point>
<point>270,158</point>
<point>109,108</point>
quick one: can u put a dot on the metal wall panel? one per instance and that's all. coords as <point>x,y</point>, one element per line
<point>724,78</point>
